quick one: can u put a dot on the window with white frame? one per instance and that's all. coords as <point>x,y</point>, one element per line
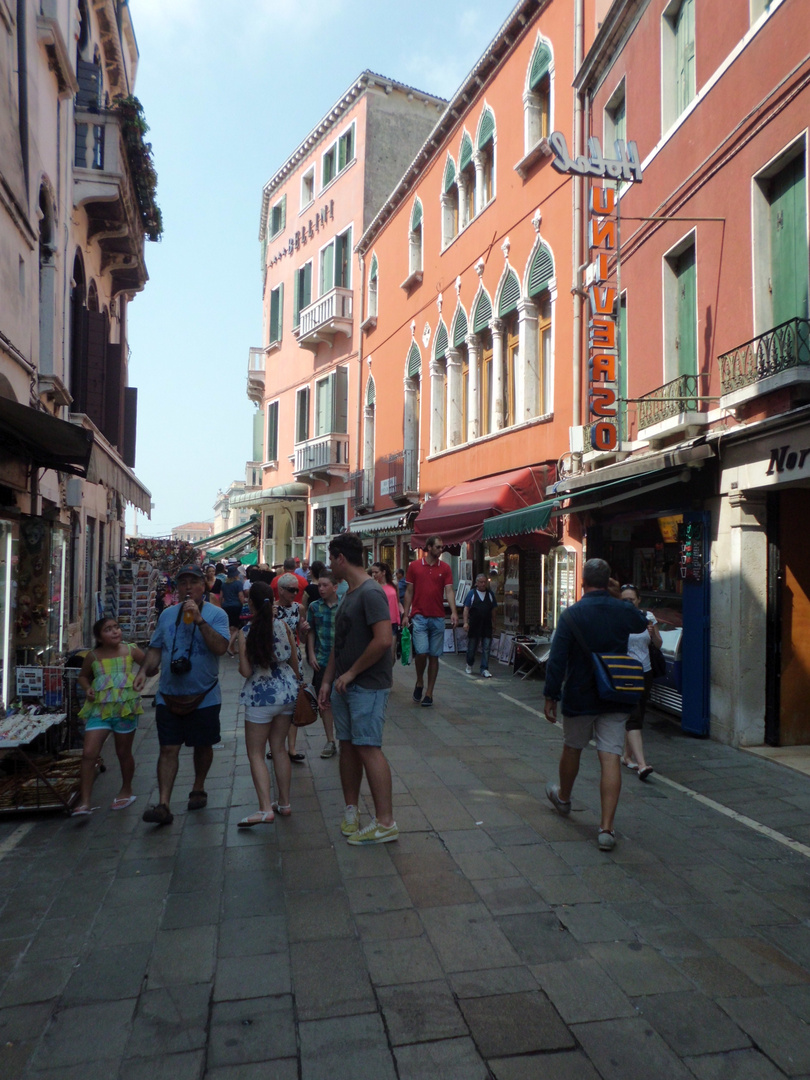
<point>338,156</point>
<point>678,75</point>
<point>331,403</point>
<point>466,182</point>
<point>537,97</point>
<point>336,265</point>
<point>450,203</point>
<point>278,217</point>
<point>537,372</point>
<point>373,274</point>
<point>302,291</point>
<point>302,414</point>
<point>415,239</point>
<point>271,429</point>
<point>485,163</point>
<point>615,119</point>
<point>438,391</point>
<point>680,310</point>
<point>276,313</point>
<point>307,188</point>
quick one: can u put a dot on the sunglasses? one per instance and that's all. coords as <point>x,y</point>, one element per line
<point>629,586</point>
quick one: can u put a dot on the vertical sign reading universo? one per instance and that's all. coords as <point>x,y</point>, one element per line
<point>603,345</point>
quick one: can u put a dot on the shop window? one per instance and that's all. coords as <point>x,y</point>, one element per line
<point>780,241</point>
<point>307,188</point>
<point>678,59</point>
<point>449,203</point>
<point>271,441</point>
<point>276,311</point>
<point>302,291</point>
<point>302,414</point>
<point>680,311</point>
<point>278,217</point>
<point>537,97</point>
<point>338,515</point>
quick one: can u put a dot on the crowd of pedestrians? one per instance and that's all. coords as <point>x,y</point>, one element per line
<point>345,620</point>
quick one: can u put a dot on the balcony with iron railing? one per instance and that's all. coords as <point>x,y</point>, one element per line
<point>777,359</point>
<point>102,185</point>
<point>329,315</point>
<point>402,482</point>
<point>255,375</point>
<point>325,455</point>
<point>362,489</point>
<point>675,408</point>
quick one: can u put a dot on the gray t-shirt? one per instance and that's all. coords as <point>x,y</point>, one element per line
<point>359,610</point>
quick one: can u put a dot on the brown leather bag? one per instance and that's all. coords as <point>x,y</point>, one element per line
<point>306,706</point>
<point>183,704</point>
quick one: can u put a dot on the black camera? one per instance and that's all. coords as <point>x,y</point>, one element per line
<point>180,666</point>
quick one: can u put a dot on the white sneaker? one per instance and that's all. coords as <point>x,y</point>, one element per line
<point>486,674</point>
<point>468,670</point>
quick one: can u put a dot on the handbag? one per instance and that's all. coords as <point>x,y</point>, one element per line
<point>306,706</point>
<point>658,665</point>
<point>619,677</point>
<point>405,645</point>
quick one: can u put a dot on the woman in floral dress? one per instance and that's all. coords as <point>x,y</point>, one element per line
<point>269,663</point>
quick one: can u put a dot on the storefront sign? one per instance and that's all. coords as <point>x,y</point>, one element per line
<point>787,459</point>
<point>625,166</point>
<point>690,542</point>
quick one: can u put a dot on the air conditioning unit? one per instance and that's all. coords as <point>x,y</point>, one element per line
<point>576,439</point>
<point>73,492</point>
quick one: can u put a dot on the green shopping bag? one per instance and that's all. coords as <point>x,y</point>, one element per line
<point>405,645</point>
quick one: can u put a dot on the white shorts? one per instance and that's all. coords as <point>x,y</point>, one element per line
<point>266,713</point>
<point>607,730</point>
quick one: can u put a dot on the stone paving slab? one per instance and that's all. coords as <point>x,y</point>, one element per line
<point>493,941</point>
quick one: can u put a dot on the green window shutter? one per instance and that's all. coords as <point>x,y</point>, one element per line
<point>687,313</point>
<point>414,362</point>
<point>306,285</point>
<point>341,163</point>
<point>482,313</point>
<point>283,213</point>
<point>685,54</point>
<point>416,215</point>
<point>327,269</point>
<point>258,424</point>
<point>440,346</point>
<point>275,314</point>
<point>297,305</point>
<point>466,153</point>
<point>343,246</point>
<point>460,329</point>
<point>789,253</point>
<point>372,274</point>
<point>542,270</point>
<point>371,391</point>
<point>510,294</point>
<point>280,311</point>
<point>272,432</point>
<point>449,175</point>
<point>340,400</point>
<point>541,62</point>
<point>486,130</point>
<point>323,406</point>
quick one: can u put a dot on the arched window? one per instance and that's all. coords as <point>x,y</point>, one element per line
<point>367,480</point>
<point>410,440</point>
<point>47,281</point>
<point>461,400</point>
<point>450,203</point>
<point>540,276</point>
<point>481,318</point>
<point>438,391</point>
<point>415,239</point>
<point>508,297</point>
<point>537,96</point>
<point>485,160</point>
<point>466,182</point>
<point>372,288</point>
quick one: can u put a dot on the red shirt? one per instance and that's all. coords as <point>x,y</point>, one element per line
<point>302,584</point>
<point>429,583</point>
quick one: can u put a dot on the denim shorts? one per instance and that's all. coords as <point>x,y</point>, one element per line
<point>198,728</point>
<point>359,715</point>
<point>118,725</point>
<point>427,635</point>
<point>606,729</point>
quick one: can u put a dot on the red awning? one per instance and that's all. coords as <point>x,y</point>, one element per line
<point>457,513</point>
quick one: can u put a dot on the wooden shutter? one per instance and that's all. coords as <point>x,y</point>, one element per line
<point>416,215</point>
<point>449,175</point>
<point>88,76</point>
<point>460,329</point>
<point>789,243</point>
<point>541,62</point>
<point>466,153</point>
<point>258,449</point>
<point>297,305</point>
<point>510,294</point>
<point>414,362</point>
<point>685,54</point>
<point>276,307</point>
<point>542,270</point>
<point>342,255</point>
<point>482,313</point>
<point>371,391</point>
<point>113,394</point>
<point>272,431</point>
<point>323,406</point>
<point>95,366</point>
<point>306,286</point>
<point>302,415</point>
<point>327,269</point>
<point>687,313</point>
<point>340,400</point>
<point>130,426</point>
<point>486,130</point>
<point>440,346</point>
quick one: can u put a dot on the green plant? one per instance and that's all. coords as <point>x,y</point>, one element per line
<point>141,163</point>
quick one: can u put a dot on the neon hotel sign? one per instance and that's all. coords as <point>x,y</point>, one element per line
<point>603,363</point>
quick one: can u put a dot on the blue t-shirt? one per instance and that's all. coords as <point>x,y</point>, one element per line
<point>204,664</point>
<point>230,592</point>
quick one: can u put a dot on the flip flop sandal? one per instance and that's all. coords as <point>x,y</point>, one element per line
<point>122,804</point>
<point>261,817</point>
<point>83,811</point>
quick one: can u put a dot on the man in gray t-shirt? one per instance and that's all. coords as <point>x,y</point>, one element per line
<point>359,673</point>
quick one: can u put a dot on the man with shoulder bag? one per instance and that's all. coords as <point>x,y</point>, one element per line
<point>189,639</point>
<point>590,632</point>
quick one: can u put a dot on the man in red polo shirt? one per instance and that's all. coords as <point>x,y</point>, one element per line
<point>430,583</point>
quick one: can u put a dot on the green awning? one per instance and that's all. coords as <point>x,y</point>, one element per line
<point>232,549</point>
<point>209,540</point>
<point>519,522</point>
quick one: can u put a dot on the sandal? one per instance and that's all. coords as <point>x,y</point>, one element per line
<point>123,802</point>
<point>645,772</point>
<point>629,764</point>
<point>282,811</point>
<point>197,800</point>
<point>158,815</point>
<point>297,758</point>
<point>83,811</point>
<point>261,817</point>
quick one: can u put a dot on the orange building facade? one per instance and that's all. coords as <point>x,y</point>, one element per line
<point>469,338</point>
<point>305,377</point>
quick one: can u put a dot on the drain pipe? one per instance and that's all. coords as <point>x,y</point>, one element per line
<point>22,86</point>
<point>576,244</point>
<point>360,361</point>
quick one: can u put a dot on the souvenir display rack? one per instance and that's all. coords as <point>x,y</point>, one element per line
<point>35,773</point>
<point>167,556</point>
<point>130,595</point>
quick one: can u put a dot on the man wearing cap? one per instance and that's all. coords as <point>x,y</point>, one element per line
<point>189,639</point>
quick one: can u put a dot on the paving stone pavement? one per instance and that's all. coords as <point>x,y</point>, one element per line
<point>493,940</point>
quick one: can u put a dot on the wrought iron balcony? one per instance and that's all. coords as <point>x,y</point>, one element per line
<point>774,359</point>
<point>326,455</point>
<point>362,489</point>
<point>103,186</point>
<point>677,401</point>
<point>255,377</point>
<point>403,475</point>
<point>331,314</point>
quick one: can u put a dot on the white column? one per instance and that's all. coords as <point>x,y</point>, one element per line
<point>474,388</point>
<point>478,161</point>
<point>463,220</point>
<point>410,440</point>
<point>529,370</point>
<point>497,389</point>
<point>455,436</point>
<point>437,418</point>
<point>368,454</point>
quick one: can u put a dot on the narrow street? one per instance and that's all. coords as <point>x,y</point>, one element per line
<point>493,939</point>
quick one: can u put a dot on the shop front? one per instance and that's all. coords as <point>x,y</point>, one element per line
<point>282,529</point>
<point>385,535</point>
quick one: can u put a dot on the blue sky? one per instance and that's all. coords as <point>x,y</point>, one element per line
<point>229,89</point>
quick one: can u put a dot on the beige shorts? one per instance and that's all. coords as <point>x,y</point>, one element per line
<point>606,729</point>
